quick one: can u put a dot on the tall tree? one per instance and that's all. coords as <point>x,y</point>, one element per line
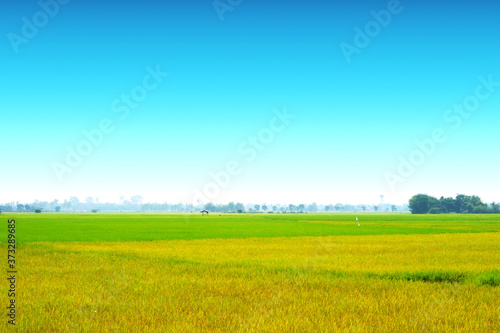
<point>422,203</point>
<point>447,204</point>
<point>495,208</point>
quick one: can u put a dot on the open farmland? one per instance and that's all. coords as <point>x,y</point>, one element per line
<point>257,273</point>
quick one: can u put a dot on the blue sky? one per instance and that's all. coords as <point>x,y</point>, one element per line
<point>226,79</point>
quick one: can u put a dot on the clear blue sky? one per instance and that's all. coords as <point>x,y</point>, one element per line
<point>352,119</point>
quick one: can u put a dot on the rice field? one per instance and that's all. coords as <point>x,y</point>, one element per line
<point>257,273</point>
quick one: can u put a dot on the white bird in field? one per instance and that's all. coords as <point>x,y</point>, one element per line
<point>358,222</point>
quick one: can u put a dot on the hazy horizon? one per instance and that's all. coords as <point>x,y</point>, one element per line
<point>270,198</point>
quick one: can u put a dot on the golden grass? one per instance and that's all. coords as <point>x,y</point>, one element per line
<point>305,284</point>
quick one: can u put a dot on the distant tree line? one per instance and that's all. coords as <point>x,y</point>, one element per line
<point>27,208</point>
<point>300,208</point>
<point>135,204</point>
<point>461,204</point>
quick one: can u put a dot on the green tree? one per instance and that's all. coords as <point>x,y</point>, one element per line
<point>476,201</point>
<point>495,208</point>
<point>264,207</point>
<point>422,203</point>
<point>393,208</point>
<point>58,209</point>
<point>460,202</point>
<point>257,207</point>
<point>447,204</point>
<point>466,203</point>
<point>469,208</point>
<point>481,210</point>
<point>435,210</point>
